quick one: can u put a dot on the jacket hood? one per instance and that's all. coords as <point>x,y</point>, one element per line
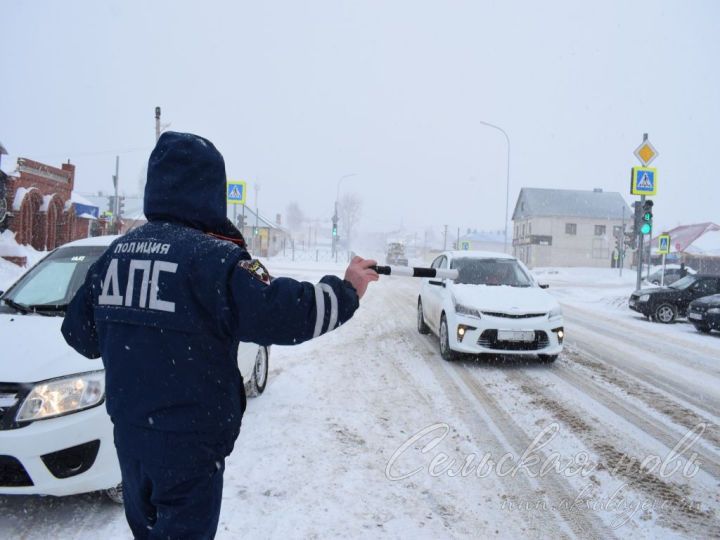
<point>186,184</point>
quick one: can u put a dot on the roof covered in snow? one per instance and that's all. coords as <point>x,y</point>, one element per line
<point>598,204</point>
<point>695,238</point>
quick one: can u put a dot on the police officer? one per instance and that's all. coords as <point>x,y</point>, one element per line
<point>166,306</point>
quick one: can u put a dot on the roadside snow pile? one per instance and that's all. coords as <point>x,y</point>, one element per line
<point>601,287</point>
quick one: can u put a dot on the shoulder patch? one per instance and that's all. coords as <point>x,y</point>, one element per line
<point>256,270</point>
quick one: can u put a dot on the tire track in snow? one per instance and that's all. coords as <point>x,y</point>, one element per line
<point>517,488</point>
<point>680,513</point>
<point>619,369</point>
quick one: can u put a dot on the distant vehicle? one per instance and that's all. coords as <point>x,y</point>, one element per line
<point>666,304</point>
<point>494,306</point>
<point>55,435</point>
<point>671,275</point>
<point>704,313</point>
<point>396,254</point>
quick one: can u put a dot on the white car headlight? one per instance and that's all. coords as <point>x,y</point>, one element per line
<point>644,298</point>
<point>714,311</point>
<point>62,396</point>
<point>465,310</point>
<point>555,313</point>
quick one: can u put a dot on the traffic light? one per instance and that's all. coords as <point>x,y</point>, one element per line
<point>255,230</point>
<point>111,203</point>
<point>619,241</point>
<point>121,206</point>
<point>646,223</point>
<point>334,230</point>
<point>241,222</point>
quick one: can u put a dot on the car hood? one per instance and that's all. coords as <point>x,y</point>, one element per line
<point>655,290</point>
<point>504,299</point>
<point>708,300</point>
<point>34,350</point>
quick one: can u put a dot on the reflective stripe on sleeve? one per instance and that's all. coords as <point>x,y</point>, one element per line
<point>319,309</point>
<point>333,306</point>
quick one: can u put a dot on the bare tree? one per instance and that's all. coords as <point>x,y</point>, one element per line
<point>295,216</point>
<point>349,211</point>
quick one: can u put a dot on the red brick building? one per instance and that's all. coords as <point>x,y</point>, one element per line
<point>41,209</point>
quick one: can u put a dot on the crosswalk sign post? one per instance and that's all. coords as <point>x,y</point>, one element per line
<point>236,191</point>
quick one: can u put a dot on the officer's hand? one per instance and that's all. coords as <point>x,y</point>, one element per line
<point>360,274</point>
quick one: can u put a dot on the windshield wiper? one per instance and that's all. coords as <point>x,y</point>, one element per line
<point>22,308</point>
<point>53,308</point>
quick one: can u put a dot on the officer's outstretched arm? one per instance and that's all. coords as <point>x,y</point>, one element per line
<point>286,311</point>
<point>78,328</point>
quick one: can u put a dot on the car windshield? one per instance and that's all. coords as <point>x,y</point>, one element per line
<point>53,282</point>
<point>490,272</point>
<point>684,283</point>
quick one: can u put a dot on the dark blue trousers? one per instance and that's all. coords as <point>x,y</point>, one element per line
<point>172,502</point>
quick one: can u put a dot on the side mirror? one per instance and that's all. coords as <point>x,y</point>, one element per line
<point>543,285</point>
<point>435,282</point>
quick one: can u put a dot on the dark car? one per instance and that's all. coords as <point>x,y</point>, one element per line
<point>704,313</point>
<point>671,275</point>
<point>665,304</point>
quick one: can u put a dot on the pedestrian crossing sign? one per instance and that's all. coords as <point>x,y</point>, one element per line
<point>664,244</point>
<point>236,191</point>
<point>465,246</point>
<point>644,181</point>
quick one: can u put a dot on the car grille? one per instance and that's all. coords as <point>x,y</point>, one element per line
<point>488,339</point>
<point>513,315</point>
<point>12,473</point>
<point>8,410</point>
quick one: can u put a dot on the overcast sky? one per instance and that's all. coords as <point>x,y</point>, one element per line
<point>298,94</point>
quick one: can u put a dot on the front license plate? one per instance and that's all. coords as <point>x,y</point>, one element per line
<point>695,316</point>
<point>515,335</point>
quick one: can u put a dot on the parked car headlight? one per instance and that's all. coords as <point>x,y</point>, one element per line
<point>465,310</point>
<point>714,311</point>
<point>555,313</point>
<point>644,298</point>
<point>63,396</point>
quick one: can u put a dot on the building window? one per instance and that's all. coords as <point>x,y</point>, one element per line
<point>529,229</point>
<point>523,230</point>
<point>617,230</point>
<point>571,228</point>
<point>599,230</point>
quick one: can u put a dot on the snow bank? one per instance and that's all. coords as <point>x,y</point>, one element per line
<point>9,272</point>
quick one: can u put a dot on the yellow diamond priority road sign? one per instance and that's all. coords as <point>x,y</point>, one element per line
<point>646,153</point>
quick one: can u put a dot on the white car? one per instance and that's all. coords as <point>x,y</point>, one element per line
<point>494,306</point>
<point>55,435</point>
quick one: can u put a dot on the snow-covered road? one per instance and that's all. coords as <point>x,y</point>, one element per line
<point>367,432</point>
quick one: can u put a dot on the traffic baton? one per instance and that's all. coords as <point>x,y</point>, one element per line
<point>407,271</point>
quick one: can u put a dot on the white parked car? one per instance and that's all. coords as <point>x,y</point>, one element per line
<point>494,306</point>
<point>55,435</point>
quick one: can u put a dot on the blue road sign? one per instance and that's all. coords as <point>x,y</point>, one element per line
<point>236,190</point>
<point>644,181</point>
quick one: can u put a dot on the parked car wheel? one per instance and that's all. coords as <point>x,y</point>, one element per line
<point>666,313</point>
<point>548,358</point>
<point>115,494</point>
<point>445,351</point>
<point>259,378</point>
<point>422,327</point>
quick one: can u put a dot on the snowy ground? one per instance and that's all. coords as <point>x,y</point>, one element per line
<point>367,432</point>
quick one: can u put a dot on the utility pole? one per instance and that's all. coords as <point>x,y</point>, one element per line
<point>116,210</point>
<point>622,243</point>
<point>256,232</point>
<point>157,123</point>
<point>445,239</point>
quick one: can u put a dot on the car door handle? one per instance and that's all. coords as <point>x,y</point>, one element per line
<point>434,282</point>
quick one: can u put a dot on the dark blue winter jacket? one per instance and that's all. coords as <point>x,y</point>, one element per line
<point>167,304</point>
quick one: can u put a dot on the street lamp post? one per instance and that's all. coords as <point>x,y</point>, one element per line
<point>335,215</point>
<point>507,183</point>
